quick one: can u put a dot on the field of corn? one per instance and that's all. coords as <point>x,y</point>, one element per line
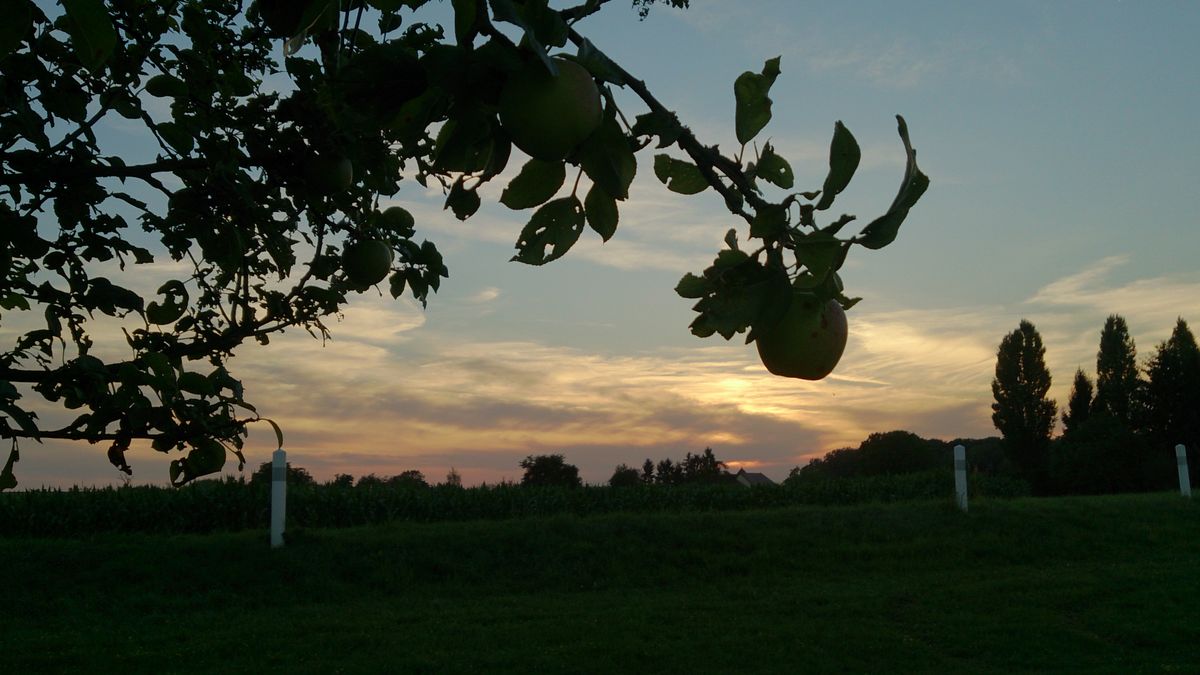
<point>232,505</point>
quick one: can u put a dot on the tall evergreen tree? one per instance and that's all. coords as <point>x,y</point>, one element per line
<point>1022,412</point>
<point>1117,379</point>
<point>1080,405</point>
<point>1173,390</point>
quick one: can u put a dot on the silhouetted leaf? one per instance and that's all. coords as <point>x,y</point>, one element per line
<point>463,202</point>
<point>882,231</point>
<point>91,30</point>
<point>775,169</point>
<point>769,221</point>
<point>607,158</point>
<point>537,182</point>
<point>601,210</point>
<point>844,156</point>
<point>16,26</point>
<point>665,125</point>
<point>753,106</point>
<point>679,176</point>
<point>820,253</point>
<point>556,225</point>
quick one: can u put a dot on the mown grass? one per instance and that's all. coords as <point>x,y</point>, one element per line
<point>1075,584</point>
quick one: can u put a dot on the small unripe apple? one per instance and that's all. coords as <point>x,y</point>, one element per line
<point>547,116</point>
<point>808,341</point>
<point>367,262</point>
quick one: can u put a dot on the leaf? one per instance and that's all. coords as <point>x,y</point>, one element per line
<point>15,27</point>
<point>882,231</point>
<point>463,202</point>
<point>173,307</point>
<point>663,124</point>
<point>820,253</point>
<point>278,431</point>
<point>196,383</point>
<point>753,107</point>
<point>769,221</point>
<point>844,156</point>
<point>679,176</point>
<point>557,225</point>
<point>607,158</point>
<point>537,182</point>
<point>692,286</point>
<point>601,211</point>
<point>91,30</point>
<point>177,136</point>
<point>598,64</point>
<point>775,169</point>
<point>464,21</point>
<point>8,481</point>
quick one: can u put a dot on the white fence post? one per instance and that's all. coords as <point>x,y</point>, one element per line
<point>278,496</point>
<point>960,476</point>
<point>1185,483</point>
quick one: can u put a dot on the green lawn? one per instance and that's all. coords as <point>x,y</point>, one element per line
<point>1106,584</point>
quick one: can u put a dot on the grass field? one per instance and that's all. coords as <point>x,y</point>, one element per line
<point>1108,584</point>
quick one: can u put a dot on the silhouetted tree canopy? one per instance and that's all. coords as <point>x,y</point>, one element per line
<point>1116,372</point>
<point>1079,407</point>
<point>1021,410</point>
<point>254,190</point>
<point>549,470</point>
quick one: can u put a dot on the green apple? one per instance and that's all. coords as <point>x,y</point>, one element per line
<point>367,262</point>
<point>808,341</point>
<point>547,116</point>
<point>329,174</point>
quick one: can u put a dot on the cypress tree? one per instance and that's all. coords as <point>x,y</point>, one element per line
<point>1117,379</point>
<point>1080,405</point>
<point>1173,389</point>
<point>1022,412</point>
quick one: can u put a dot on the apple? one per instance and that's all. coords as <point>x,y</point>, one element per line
<point>808,341</point>
<point>367,262</point>
<point>329,174</point>
<point>547,116</point>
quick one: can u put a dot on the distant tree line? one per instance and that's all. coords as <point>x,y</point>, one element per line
<point>1119,430</point>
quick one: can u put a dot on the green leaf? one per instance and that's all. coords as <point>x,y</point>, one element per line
<point>91,30</point>
<point>557,225</point>
<point>15,27</point>
<point>196,383</point>
<point>537,182</point>
<point>692,286</point>
<point>607,158</point>
<point>769,221</point>
<point>753,106</point>
<point>598,64</point>
<point>177,136</point>
<point>8,481</point>
<point>173,306</point>
<point>775,169</point>
<point>665,125</point>
<point>679,176</point>
<point>166,86</point>
<point>844,156</point>
<point>601,211</point>
<point>882,231</point>
<point>464,21</point>
<point>278,431</point>
<point>463,202</point>
<point>820,253</point>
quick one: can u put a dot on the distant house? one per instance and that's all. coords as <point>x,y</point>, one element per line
<point>751,479</point>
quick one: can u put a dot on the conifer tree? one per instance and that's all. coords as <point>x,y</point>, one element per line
<point>1022,412</point>
<point>1080,406</point>
<point>1117,380</point>
<point>1173,399</point>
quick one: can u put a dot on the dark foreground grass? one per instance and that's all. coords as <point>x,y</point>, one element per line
<point>1082,584</point>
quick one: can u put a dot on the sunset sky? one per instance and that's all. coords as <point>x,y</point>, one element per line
<point>1062,145</point>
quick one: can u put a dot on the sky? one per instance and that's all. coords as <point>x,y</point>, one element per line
<point>1061,145</point>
